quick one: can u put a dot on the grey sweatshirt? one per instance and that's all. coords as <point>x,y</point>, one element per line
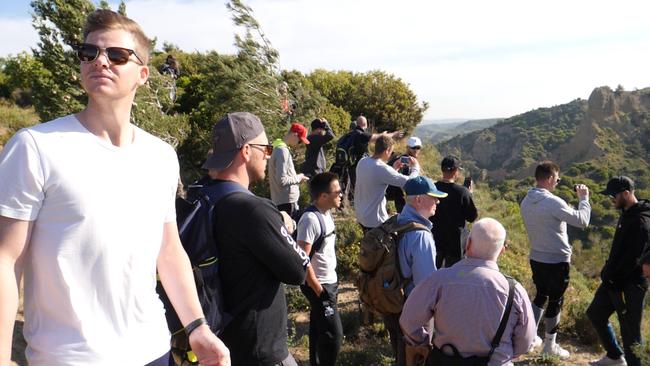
<point>545,217</point>
<point>283,179</point>
<point>373,177</point>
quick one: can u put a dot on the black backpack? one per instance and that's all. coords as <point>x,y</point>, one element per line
<point>318,243</point>
<point>195,220</point>
<point>345,155</point>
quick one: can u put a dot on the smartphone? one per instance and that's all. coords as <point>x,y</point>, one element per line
<point>405,160</point>
<point>467,182</point>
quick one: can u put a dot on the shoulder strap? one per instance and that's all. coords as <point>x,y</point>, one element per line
<point>211,195</point>
<point>401,230</point>
<point>318,243</point>
<point>506,315</point>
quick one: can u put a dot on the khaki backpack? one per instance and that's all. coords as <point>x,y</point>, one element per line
<point>380,282</point>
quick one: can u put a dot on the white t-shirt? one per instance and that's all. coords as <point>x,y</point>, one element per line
<point>90,269</point>
<point>324,261</point>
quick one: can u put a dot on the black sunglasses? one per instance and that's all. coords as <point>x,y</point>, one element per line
<point>415,147</point>
<point>268,149</point>
<point>87,52</point>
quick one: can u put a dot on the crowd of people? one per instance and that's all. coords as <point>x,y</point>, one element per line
<point>90,244</point>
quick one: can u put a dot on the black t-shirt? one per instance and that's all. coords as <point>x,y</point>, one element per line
<point>256,255</point>
<point>451,214</point>
<point>315,161</point>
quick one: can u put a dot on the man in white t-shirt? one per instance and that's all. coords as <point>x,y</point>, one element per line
<point>88,236</point>
<point>316,236</point>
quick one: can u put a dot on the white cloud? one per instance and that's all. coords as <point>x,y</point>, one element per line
<point>471,58</point>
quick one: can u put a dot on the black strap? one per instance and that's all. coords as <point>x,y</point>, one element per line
<point>506,315</point>
<point>211,195</point>
<point>318,243</point>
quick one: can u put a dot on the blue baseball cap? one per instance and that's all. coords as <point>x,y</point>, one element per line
<point>422,185</point>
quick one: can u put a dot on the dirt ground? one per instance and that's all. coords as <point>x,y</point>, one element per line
<point>365,340</point>
<point>348,305</point>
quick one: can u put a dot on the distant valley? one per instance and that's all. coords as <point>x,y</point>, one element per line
<point>440,130</point>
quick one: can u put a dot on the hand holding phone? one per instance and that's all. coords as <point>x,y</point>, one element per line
<point>467,182</point>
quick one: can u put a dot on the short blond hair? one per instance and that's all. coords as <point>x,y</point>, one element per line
<point>104,19</point>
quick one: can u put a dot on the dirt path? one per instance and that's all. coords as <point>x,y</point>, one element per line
<point>373,340</point>
<point>362,345</point>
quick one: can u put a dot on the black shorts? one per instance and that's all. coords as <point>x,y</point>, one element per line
<point>550,279</point>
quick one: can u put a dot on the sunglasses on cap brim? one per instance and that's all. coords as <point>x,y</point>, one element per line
<point>87,52</point>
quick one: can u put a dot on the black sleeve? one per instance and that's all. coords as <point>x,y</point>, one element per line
<point>628,259</point>
<point>260,227</point>
<point>329,134</point>
<point>469,209</point>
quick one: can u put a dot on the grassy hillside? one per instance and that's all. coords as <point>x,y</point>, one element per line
<point>13,118</point>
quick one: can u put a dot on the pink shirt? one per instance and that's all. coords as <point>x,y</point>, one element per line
<point>467,302</point>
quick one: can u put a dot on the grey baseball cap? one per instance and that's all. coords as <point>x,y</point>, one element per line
<point>229,135</point>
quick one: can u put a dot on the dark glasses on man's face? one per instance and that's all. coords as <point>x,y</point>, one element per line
<point>267,149</point>
<point>87,52</point>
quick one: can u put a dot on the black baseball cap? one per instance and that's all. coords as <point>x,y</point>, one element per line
<point>450,163</point>
<point>229,135</point>
<point>618,185</point>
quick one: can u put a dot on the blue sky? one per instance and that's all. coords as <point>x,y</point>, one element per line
<point>467,59</point>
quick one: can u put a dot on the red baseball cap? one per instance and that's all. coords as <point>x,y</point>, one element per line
<point>301,131</point>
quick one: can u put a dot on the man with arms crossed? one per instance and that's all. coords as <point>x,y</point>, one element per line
<point>546,217</point>
<point>87,239</point>
<point>321,289</point>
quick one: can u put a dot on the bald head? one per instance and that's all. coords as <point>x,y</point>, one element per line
<point>362,122</point>
<point>486,239</point>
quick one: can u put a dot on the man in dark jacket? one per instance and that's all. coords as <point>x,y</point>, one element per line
<point>257,253</point>
<point>623,286</point>
<point>321,134</point>
<point>452,213</point>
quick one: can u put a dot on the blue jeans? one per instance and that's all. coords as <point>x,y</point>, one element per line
<point>628,305</point>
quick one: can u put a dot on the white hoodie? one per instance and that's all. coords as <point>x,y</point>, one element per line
<point>545,217</point>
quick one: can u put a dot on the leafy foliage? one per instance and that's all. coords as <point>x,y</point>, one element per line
<point>385,100</point>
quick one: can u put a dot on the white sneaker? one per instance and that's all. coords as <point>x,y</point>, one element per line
<point>554,349</point>
<point>606,361</point>
<point>536,342</point>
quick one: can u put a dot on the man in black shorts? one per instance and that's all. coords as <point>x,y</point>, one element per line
<point>546,217</point>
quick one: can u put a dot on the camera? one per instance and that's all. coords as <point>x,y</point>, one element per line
<point>405,160</point>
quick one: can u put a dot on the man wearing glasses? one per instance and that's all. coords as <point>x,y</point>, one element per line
<point>546,217</point>
<point>317,236</point>
<point>256,251</point>
<point>88,241</point>
<point>623,286</point>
